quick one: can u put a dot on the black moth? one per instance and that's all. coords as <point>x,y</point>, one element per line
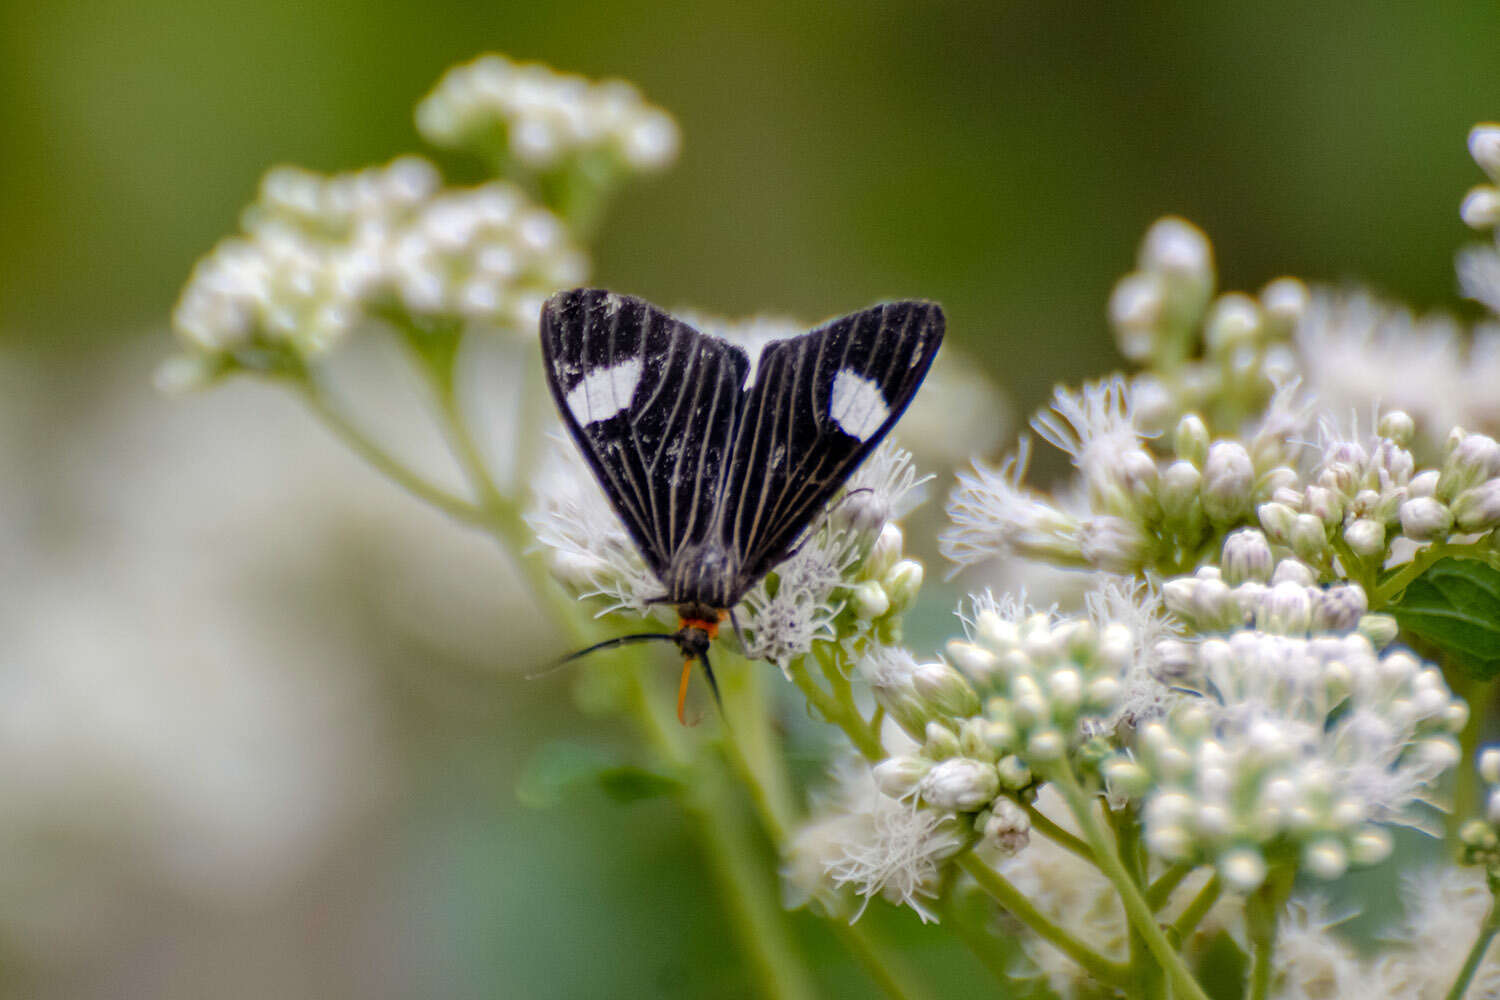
<point>716,468</point>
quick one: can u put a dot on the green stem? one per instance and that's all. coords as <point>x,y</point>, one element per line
<point>1161,890</point>
<point>1262,914</point>
<point>758,918</point>
<point>842,714</point>
<point>878,962</point>
<point>1044,825</point>
<point>1187,922</point>
<point>382,461</point>
<point>1015,902</point>
<point>1137,910</point>
<point>1420,563</point>
<point>1487,932</point>
<point>1360,570</point>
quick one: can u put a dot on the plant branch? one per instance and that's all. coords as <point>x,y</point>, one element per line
<point>1137,910</point>
<point>1016,903</point>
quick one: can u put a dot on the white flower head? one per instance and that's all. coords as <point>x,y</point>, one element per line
<point>584,540</point>
<point>992,515</point>
<point>542,119</point>
<point>321,256</point>
<point>870,843</point>
<point>1097,427</point>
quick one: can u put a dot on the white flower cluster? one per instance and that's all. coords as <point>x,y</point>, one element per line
<point>865,842</point>
<point>847,579</point>
<point>1365,495</point>
<point>539,118</point>
<point>1137,510</point>
<point>322,255</point>
<point>1246,589</point>
<point>1022,691</point>
<point>1354,348</point>
<point>1223,356</point>
<point>1419,958</point>
<point>1481,836</point>
<point>1295,743</point>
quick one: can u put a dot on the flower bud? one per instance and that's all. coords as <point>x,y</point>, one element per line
<point>1228,477</point>
<point>1340,608</point>
<point>1191,440</point>
<point>1284,301</point>
<point>1489,765</point>
<point>1484,146</point>
<point>1178,248</point>
<point>941,742</point>
<point>1370,846</point>
<point>1287,610</point>
<point>903,582</point>
<point>885,551</point>
<point>1472,459</point>
<point>945,689</point>
<point>959,784</point>
<point>1008,828</point>
<point>1126,778</point>
<point>1135,313</point>
<point>1242,869</point>
<point>1169,841</point>
<point>1424,519</point>
<point>1397,426</point>
<point>1046,745</point>
<point>869,600</point>
<point>1326,859</point>
<point>1181,503</point>
<point>1423,484</point>
<point>1233,321</point>
<point>1247,556</point>
<point>899,776</point>
<point>974,660</point>
<point>1278,521</point>
<point>1478,509</point>
<point>1366,538</point>
<point>1324,504</point>
<point>1481,207</point>
<point>1112,544</point>
<point>1014,774</point>
<point>1309,538</point>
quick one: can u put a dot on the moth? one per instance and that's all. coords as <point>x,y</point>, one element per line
<point>717,464</point>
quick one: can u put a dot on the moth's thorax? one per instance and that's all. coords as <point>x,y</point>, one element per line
<point>706,574</point>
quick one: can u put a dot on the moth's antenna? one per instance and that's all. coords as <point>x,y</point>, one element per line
<point>606,644</point>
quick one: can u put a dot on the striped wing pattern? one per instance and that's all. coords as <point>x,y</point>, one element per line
<point>792,453</point>
<point>715,481</point>
<point>651,403</point>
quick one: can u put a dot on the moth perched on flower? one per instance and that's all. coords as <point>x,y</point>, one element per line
<point>716,466</point>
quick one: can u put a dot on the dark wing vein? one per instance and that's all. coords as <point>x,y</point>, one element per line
<point>890,347</point>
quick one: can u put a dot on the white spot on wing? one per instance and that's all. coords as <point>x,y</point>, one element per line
<point>604,392</point>
<point>857,405</point>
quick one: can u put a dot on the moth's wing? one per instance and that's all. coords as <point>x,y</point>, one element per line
<point>651,403</point>
<point>820,403</point>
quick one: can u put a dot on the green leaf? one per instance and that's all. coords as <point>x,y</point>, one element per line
<point>631,784</point>
<point>560,768</point>
<point>556,769</point>
<point>1455,606</point>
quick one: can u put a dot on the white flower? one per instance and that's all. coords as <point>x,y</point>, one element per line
<point>866,841</point>
<point>991,515</point>
<point>1096,427</point>
<point>321,256</point>
<point>1308,740</point>
<point>541,118</point>
<point>583,539</point>
<point>1357,351</point>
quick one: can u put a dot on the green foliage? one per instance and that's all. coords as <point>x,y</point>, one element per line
<point>1455,606</point>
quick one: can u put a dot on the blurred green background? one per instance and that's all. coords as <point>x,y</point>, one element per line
<point>1003,159</point>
